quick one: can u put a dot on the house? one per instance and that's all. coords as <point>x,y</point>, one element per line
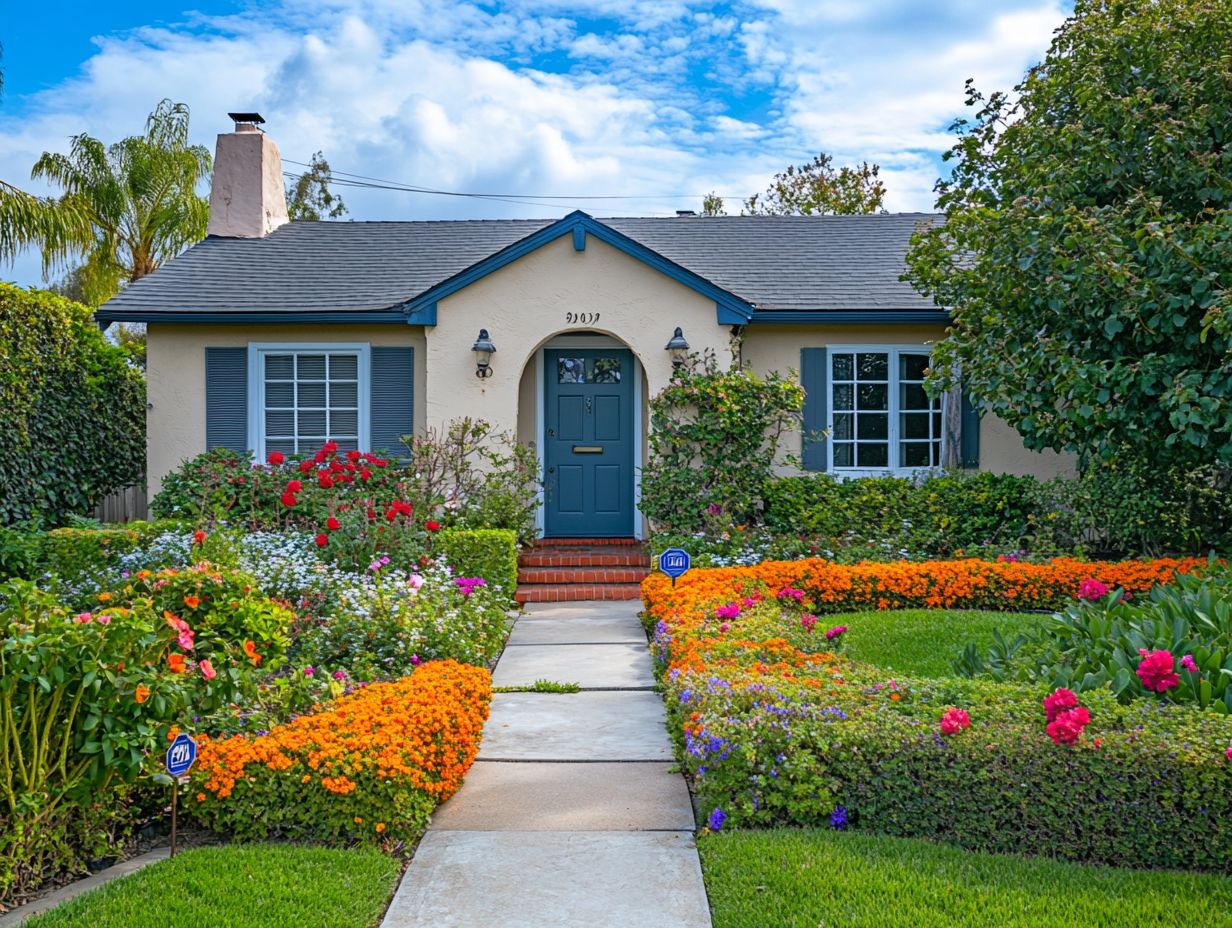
<point>275,335</point>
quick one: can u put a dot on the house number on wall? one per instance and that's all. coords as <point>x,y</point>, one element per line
<point>581,318</point>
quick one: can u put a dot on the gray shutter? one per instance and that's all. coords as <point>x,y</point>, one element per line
<point>815,378</point>
<point>970,432</point>
<point>226,399</point>
<point>392,414</point>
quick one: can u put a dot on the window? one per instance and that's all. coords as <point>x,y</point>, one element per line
<point>302,396</point>
<point>881,416</point>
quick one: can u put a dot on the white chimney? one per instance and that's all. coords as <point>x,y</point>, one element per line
<point>247,199</point>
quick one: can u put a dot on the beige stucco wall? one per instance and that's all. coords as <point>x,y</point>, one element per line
<point>774,347</point>
<point>175,377</point>
<point>526,303</point>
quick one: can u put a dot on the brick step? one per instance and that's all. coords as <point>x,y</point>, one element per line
<point>584,557</point>
<point>554,542</point>
<point>582,574</point>
<point>574,592</point>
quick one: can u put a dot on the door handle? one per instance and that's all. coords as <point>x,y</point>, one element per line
<point>587,449</point>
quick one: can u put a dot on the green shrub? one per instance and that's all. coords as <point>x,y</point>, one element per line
<point>87,698</point>
<point>73,552</point>
<point>1100,644</point>
<point>713,440</point>
<point>72,410</point>
<point>20,552</point>
<point>488,553</point>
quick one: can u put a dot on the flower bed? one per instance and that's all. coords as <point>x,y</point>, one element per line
<point>369,768</point>
<point>776,727</point>
<point>961,584</point>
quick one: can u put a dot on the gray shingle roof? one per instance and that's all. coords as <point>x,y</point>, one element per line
<point>780,263</point>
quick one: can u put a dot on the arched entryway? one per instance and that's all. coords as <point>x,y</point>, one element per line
<point>584,393</point>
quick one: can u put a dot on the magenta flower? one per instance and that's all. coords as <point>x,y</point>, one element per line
<point>791,593</point>
<point>729,611</point>
<point>309,671</point>
<point>1092,590</point>
<point>339,674</point>
<point>1156,671</point>
<point>1188,663</point>
<point>835,632</point>
<point>809,622</point>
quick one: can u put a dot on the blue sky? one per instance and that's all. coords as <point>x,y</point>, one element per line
<point>655,101</point>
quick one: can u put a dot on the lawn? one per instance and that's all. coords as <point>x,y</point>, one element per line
<point>800,878</point>
<point>240,886</point>
<point>923,642</point>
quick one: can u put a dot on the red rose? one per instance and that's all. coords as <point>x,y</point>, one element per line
<point>294,486</point>
<point>330,447</point>
<point>432,525</point>
<point>1157,671</point>
<point>275,458</point>
<point>305,466</point>
<point>288,499</point>
<point>1060,700</point>
<point>322,540</point>
<point>324,481</point>
<point>353,456</point>
<point>391,513</point>
<point>335,467</point>
<point>332,524</point>
<point>198,537</point>
<point>371,514</point>
<point>364,473</point>
<point>1068,725</point>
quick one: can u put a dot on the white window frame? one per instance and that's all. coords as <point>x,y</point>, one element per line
<point>256,385</point>
<point>893,389</point>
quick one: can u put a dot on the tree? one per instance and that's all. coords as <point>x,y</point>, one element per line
<point>309,196</point>
<point>26,220</point>
<point>712,205</point>
<point>140,197</point>
<point>1086,252</point>
<point>817,189</point>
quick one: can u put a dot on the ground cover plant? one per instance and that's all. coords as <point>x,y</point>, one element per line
<point>776,725</point>
<point>241,886</point>
<point>802,878</point>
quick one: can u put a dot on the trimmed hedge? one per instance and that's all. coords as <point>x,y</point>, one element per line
<point>70,552</point>
<point>491,553</point>
<point>776,730</point>
<point>72,410</point>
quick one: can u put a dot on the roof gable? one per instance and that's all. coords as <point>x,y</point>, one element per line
<point>731,309</point>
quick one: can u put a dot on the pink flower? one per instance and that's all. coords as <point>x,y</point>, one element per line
<point>954,720</point>
<point>834,632</point>
<point>185,639</point>
<point>1189,664</point>
<point>416,660</point>
<point>103,620</point>
<point>309,671</point>
<point>339,674</point>
<point>790,593</point>
<point>1228,752</point>
<point>1156,671</point>
<point>808,622</point>
<point>729,611</point>
<point>1092,590</point>
<point>724,628</point>
<point>207,670</point>
<point>1068,725</point>
<point>84,617</point>
<point>1060,700</point>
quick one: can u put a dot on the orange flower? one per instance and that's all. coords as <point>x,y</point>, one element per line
<point>200,797</point>
<point>192,601</point>
<point>380,826</point>
<point>104,597</point>
<point>142,694</point>
<point>176,663</point>
<point>250,649</point>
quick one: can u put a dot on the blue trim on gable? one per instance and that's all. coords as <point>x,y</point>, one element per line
<point>848,317</point>
<point>579,238</point>
<point>731,309</point>
<point>423,315</point>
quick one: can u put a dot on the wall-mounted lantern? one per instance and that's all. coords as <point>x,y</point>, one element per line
<point>678,347</point>
<point>484,350</point>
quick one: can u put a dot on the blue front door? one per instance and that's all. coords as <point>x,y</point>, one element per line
<point>588,442</point>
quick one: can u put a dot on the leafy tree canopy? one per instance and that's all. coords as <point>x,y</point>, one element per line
<point>309,196</point>
<point>140,197</point>
<point>1086,251</point>
<point>818,188</point>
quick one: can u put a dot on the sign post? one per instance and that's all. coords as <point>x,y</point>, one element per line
<point>180,757</point>
<point>675,562</point>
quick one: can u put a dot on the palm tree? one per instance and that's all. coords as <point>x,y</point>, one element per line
<point>138,195</point>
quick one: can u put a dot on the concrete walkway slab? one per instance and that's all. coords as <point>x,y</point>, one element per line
<point>569,797</point>
<point>476,879</point>
<point>593,666</point>
<point>576,727</point>
<point>572,626</point>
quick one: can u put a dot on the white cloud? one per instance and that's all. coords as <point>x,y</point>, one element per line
<point>558,97</point>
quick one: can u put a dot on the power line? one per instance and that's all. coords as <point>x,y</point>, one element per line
<point>362,181</point>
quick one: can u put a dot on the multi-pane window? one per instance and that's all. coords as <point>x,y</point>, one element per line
<point>309,397</point>
<point>881,416</point>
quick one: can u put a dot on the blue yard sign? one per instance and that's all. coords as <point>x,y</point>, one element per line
<point>181,755</point>
<point>674,562</point>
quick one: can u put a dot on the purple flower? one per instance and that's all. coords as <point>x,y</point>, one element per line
<point>714,509</point>
<point>729,611</point>
<point>838,818</point>
<point>416,660</point>
<point>716,820</point>
<point>834,632</point>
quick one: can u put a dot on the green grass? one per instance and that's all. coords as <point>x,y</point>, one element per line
<point>790,878</point>
<point>240,886</point>
<point>923,642</point>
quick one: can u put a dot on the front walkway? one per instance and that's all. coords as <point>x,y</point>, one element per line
<point>571,816</point>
